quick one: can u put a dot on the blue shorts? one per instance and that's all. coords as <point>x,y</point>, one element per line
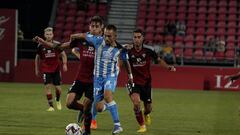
<point>101,84</point>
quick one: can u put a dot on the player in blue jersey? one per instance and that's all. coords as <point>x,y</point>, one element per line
<point>106,68</point>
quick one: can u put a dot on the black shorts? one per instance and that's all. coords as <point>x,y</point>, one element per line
<point>79,88</point>
<point>145,92</point>
<point>54,78</point>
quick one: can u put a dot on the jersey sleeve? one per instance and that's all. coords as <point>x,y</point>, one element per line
<point>124,55</point>
<point>95,40</point>
<point>154,56</point>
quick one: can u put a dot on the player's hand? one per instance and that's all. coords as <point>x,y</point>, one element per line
<point>172,68</point>
<point>128,46</point>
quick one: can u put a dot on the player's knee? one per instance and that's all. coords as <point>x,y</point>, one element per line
<point>70,105</point>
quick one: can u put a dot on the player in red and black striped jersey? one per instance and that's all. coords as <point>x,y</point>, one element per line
<point>47,59</point>
<point>140,59</point>
<point>83,83</point>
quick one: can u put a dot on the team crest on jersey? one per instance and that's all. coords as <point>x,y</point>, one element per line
<point>144,55</point>
<point>139,59</point>
<point>49,51</point>
<point>132,56</point>
<point>90,48</point>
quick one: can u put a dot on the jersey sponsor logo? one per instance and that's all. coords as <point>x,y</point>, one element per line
<point>139,61</point>
<point>50,54</point>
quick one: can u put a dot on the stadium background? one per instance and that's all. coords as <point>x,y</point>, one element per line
<point>197,69</point>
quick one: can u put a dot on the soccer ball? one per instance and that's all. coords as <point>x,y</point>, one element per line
<point>73,129</point>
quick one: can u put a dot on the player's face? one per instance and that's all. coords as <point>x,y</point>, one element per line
<point>95,28</point>
<point>109,36</point>
<point>137,39</point>
<point>48,35</point>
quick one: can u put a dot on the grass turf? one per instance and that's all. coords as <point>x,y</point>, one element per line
<point>23,112</point>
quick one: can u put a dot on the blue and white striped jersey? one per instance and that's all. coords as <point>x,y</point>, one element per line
<point>106,57</point>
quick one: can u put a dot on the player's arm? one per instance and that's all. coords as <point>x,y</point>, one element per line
<point>76,52</point>
<point>64,60</point>
<point>126,64</point>
<point>160,61</point>
<point>41,41</point>
<point>37,63</point>
<point>234,77</point>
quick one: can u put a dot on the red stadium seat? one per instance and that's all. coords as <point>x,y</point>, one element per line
<point>202,10</point>
<point>232,4</point>
<point>150,22</point>
<point>149,37</point>
<point>172,9</point>
<point>188,53</point>
<point>232,10</point>
<point>158,38</point>
<point>203,3</point>
<point>211,17</point>
<point>222,10</point>
<point>182,9</point>
<point>198,54</point>
<point>70,19</point>
<point>230,55</point>
<point>192,9</point>
<point>212,10</point>
<point>178,52</point>
<point>231,32</point>
<point>172,3</point>
<point>209,55</point>
<point>232,24</point>
<point>160,23</point>
<point>211,24</point>
<point>200,38</point>
<point>192,3</point>
<point>200,31</point>
<point>232,17</point>
<point>191,16</point>
<point>191,24</point>
<point>222,3</point>
<point>221,24</point>
<point>213,3</point>
<point>182,3</point>
<point>210,32</point>
<point>179,38</point>
<point>219,55</point>
<point>201,24</point>
<point>202,17</point>
<point>189,38</point>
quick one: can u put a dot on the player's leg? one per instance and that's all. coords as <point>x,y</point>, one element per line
<point>74,94</point>
<point>94,116</point>
<point>87,107</point>
<point>47,88</point>
<point>109,88</point>
<point>146,96</point>
<point>58,90</point>
<point>135,97</point>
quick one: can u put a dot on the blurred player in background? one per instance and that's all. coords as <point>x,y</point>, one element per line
<point>108,55</point>
<point>47,59</point>
<point>140,59</point>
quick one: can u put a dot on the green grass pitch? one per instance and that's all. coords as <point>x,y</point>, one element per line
<point>22,112</point>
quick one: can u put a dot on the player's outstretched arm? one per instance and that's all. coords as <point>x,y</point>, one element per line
<point>37,63</point>
<point>41,41</point>
<point>164,64</point>
<point>64,61</point>
<point>234,77</point>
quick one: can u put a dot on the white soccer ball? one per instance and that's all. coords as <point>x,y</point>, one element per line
<point>73,129</point>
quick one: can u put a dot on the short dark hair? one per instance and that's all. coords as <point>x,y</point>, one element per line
<point>97,19</point>
<point>139,31</point>
<point>111,27</point>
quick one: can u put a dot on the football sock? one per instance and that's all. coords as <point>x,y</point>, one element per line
<point>139,116</point>
<point>94,111</point>
<point>112,107</point>
<point>49,98</point>
<point>58,94</point>
<point>87,120</point>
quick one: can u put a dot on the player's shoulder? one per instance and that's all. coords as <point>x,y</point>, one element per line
<point>148,47</point>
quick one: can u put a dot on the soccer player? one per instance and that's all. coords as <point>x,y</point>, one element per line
<point>108,55</point>
<point>140,58</point>
<point>50,66</point>
<point>83,83</point>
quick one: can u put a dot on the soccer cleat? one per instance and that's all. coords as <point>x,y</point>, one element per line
<point>93,124</point>
<point>59,105</point>
<point>50,109</point>
<point>85,133</point>
<point>147,119</point>
<point>142,129</point>
<point>80,117</point>
<point>117,130</point>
